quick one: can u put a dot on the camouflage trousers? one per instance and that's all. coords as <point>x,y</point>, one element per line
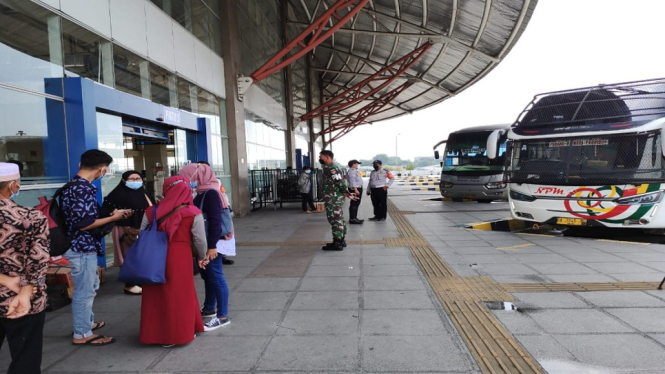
<point>335,215</point>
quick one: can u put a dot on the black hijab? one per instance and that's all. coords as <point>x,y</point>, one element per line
<point>123,197</point>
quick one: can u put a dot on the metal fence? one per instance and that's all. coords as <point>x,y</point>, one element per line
<point>278,186</point>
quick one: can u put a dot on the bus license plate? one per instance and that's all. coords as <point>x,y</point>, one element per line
<point>571,221</point>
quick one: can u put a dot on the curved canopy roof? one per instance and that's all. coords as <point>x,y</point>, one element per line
<point>468,39</point>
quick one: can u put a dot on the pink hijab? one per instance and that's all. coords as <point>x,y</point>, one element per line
<point>176,193</point>
<point>205,180</point>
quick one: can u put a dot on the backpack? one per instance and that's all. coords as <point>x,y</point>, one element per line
<point>60,239</point>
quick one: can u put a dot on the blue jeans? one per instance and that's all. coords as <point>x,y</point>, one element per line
<point>86,283</point>
<point>217,291</point>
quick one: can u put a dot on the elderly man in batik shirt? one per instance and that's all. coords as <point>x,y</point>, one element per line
<point>24,255</point>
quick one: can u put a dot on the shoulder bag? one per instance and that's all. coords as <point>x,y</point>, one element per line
<point>227,222</point>
<point>145,261</point>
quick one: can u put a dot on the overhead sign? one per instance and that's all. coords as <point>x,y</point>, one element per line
<point>171,116</point>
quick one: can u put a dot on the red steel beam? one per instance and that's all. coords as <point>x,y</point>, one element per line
<point>361,114</point>
<point>312,36</point>
<point>383,77</point>
<point>351,121</point>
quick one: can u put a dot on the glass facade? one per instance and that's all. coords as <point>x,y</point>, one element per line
<point>261,37</point>
<point>200,17</point>
<point>38,48</point>
<point>266,144</point>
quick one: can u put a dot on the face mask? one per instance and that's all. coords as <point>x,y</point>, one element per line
<point>14,195</point>
<point>134,185</point>
<point>321,161</point>
<point>193,184</point>
<point>307,171</point>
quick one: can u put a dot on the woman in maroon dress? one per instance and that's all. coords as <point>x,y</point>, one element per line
<point>170,312</point>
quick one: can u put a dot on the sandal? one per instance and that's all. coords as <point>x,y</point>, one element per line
<point>96,338</point>
<point>97,325</point>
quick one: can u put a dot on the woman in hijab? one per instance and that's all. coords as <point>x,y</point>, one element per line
<point>129,194</point>
<point>207,187</point>
<point>170,312</point>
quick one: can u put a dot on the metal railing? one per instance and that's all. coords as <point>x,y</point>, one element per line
<point>278,186</point>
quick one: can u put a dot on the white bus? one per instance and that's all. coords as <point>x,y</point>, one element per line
<point>466,171</point>
<point>590,156</point>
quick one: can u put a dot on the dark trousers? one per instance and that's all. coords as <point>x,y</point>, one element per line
<point>307,200</point>
<point>380,202</point>
<point>24,336</point>
<point>354,204</point>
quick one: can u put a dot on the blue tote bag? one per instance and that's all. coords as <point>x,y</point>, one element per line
<point>145,262</point>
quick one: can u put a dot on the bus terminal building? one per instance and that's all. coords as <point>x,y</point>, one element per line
<point>241,84</point>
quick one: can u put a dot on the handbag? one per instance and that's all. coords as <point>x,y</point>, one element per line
<point>145,262</point>
<point>227,222</point>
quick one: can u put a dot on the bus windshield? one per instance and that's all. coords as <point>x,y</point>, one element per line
<point>466,154</point>
<point>593,160</point>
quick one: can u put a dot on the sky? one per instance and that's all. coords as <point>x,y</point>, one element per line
<point>567,44</point>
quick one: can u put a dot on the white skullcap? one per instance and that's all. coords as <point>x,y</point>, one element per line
<point>9,172</point>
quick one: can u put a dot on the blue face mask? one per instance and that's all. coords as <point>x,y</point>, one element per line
<point>134,185</point>
<point>14,195</point>
<point>193,184</point>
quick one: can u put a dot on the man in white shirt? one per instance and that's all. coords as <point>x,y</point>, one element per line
<point>355,182</point>
<point>379,182</point>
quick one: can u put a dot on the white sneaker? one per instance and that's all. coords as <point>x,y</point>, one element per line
<point>216,323</point>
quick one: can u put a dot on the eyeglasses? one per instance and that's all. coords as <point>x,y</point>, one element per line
<point>135,179</point>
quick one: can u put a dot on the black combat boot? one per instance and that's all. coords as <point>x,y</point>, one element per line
<point>343,241</point>
<point>336,245</point>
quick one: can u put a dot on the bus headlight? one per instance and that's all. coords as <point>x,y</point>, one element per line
<point>495,185</point>
<point>647,198</point>
<point>520,196</point>
<point>446,184</point>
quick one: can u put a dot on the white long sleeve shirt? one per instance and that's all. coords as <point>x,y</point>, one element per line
<point>380,178</point>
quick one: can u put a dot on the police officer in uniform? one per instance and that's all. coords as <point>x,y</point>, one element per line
<point>379,182</point>
<point>355,188</point>
<point>334,191</point>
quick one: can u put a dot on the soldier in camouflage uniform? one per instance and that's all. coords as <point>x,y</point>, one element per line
<point>334,191</point>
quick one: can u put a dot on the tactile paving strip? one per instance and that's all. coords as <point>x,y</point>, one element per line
<point>470,289</point>
<point>579,287</point>
<point>495,349</point>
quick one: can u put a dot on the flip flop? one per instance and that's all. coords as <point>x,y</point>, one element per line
<point>98,337</point>
<point>98,325</point>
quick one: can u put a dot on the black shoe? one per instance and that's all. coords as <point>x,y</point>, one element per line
<point>355,221</point>
<point>381,219</point>
<point>334,246</point>
<point>227,261</point>
<point>374,219</point>
<point>343,241</point>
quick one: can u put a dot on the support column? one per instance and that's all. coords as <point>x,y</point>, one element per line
<point>235,110</point>
<point>288,86</point>
<point>310,121</point>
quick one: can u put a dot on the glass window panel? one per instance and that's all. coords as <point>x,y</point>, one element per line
<point>131,73</point>
<point>184,95</point>
<point>163,87</point>
<point>30,46</point>
<point>85,55</point>
<point>202,22</point>
<point>33,132</point>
